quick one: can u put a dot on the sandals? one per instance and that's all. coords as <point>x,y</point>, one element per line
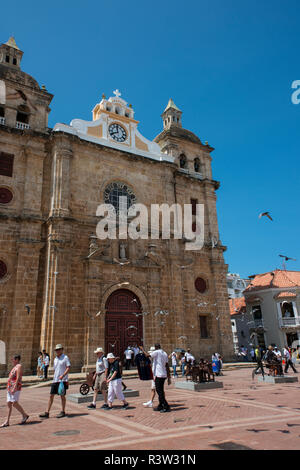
<point>24,420</point>
<point>4,425</point>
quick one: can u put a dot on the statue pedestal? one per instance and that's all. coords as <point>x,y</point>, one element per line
<point>198,387</point>
<point>78,398</point>
<point>278,379</point>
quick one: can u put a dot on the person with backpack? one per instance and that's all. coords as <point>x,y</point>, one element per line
<point>114,382</point>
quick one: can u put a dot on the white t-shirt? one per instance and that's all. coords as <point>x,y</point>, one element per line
<point>128,353</point>
<point>286,354</point>
<point>101,364</point>
<point>160,358</point>
<point>189,357</point>
<point>60,364</point>
<point>278,353</point>
<point>174,359</point>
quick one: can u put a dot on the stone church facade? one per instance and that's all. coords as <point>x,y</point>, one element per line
<point>59,283</point>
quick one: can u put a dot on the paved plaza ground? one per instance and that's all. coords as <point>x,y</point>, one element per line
<point>244,414</point>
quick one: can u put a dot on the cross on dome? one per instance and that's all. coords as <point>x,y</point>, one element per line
<point>117,93</point>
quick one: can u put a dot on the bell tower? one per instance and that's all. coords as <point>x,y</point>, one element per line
<point>24,105</point>
<point>171,115</point>
<point>10,54</point>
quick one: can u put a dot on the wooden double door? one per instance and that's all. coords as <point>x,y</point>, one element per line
<point>123,322</point>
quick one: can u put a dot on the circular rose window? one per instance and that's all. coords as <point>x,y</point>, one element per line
<point>3,269</point>
<point>200,285</point>
<point>5,196</point>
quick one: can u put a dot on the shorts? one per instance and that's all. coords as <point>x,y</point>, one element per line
<point>13,397</point>
<point>100,383</point>
<point>54,387</point>
<point>152,385</point>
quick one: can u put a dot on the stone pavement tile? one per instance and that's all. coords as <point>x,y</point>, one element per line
<point>243,412</point>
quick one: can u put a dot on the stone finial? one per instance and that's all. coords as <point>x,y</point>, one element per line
<point>12,43</point>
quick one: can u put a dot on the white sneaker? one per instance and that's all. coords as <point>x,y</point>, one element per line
<point>149,404</point>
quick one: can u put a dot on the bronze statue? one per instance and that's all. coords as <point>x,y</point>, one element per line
<point>199,373</point>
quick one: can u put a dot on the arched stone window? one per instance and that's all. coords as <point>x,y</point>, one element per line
<point>182,161</point>
<point>23,114</point>
<point>197,165</point>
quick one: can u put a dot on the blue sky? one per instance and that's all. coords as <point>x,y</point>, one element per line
<point>228,65</point>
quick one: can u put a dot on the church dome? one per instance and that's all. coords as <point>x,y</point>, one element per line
<point>18,76</point>
<point>179,133</point>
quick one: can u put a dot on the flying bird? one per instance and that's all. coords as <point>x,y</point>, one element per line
<point>122,263</point>
<point>286,258</point>
<point>90,316</point>
<point>137,314</point>
<point>265,214</point>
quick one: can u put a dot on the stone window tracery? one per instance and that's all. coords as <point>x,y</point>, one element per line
<point>115,190</point>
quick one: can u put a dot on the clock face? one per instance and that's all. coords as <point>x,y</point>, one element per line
<point>117,132</point>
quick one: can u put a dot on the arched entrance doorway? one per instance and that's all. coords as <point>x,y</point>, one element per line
<point>123,325</point>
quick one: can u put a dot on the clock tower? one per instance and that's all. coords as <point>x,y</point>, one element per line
<point>113,125</point>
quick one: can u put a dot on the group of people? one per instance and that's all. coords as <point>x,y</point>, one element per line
<point>43,365</point>
<point>59,385</point>
<point>152,365</point>
<point>273,356</point>
<point>182,358</point>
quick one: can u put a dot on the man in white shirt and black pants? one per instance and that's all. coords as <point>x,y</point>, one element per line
<point>128,356</point>
<point>161,372</point>
<point>61,367</point>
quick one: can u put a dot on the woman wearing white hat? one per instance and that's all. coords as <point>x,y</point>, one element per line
<point>99,377</point>
<point>114,382</point>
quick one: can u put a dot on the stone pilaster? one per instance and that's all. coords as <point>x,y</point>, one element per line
<point>22,318</point>
<point>60,182</point>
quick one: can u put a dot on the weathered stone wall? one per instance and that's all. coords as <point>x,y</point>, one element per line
<point>46,237</point>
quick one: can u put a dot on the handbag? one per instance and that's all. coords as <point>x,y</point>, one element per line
<point>61,388</point>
